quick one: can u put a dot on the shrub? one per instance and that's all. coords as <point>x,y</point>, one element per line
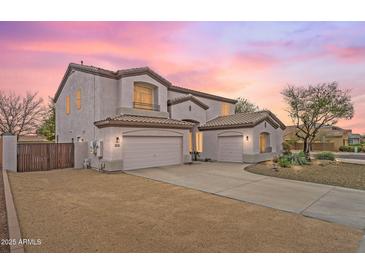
<point>297,159</point>
<point>283,161</point>
<point>347,148</point>
<point>286,148</point>
<point>326,155</point>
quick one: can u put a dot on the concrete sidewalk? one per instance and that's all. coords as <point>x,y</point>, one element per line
<point>330,203</point>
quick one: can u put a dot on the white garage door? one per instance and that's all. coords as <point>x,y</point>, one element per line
<point>142,152</point>
<point>230,149</point>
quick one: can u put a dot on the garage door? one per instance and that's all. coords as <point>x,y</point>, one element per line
<point>230,149</point>
<point>142,152</point>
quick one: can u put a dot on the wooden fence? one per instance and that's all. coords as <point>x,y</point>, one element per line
<point>43,156</point>
<point>316,146</point>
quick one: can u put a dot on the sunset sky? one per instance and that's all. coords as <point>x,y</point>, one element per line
<point>255,60</point>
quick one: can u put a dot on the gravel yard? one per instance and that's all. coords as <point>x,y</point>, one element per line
<point>85,211</point>
<point>322,172</point>
<point>3,220</point>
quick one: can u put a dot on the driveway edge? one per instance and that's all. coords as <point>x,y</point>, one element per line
<point>13,223</point>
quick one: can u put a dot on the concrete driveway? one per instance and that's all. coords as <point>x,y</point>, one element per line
<point>330,203</point>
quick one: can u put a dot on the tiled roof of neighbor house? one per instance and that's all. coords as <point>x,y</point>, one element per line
<point>133,72</point>
<point>184,98</point>
<point>142,121</point>
<point>238,120</point>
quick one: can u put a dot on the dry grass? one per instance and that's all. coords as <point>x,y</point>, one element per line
<point>86,211</point>
<point>322,172</point>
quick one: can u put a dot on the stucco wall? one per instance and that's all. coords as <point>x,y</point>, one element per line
<point>126,91</point>
<point>98,101</point>
<point>114,154</point>
<point>181,111</point>
<point>215,106</point>
<point>250,145</point>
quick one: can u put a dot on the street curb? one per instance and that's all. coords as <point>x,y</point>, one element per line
<point>13,223</point>
<point>362,245</point>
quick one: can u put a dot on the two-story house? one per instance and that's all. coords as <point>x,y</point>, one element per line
<point>135,118</point>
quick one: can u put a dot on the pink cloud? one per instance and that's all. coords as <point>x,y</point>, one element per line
<point>348,54</point>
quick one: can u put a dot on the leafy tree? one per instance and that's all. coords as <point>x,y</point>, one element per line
<point>48,126</point>
<point>313,107</point>
<point>19,115</point>
<point>243,105</point>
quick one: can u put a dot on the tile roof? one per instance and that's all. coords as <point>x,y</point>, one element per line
<point>238,120</point>
<point>143,121</point>
<point>133,72</point>
<point>184,98</point>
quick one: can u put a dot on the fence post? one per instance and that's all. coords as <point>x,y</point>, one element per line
<point>9,152</point>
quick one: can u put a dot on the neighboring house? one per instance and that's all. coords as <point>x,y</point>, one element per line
<point>135,118</point>
<point>355,139</point>
<point>328,137</point>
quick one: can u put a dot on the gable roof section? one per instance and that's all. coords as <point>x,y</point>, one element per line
<point>132,72</point>
<point>240,120</point>
<point>185,98</point>
<point>142,121</point>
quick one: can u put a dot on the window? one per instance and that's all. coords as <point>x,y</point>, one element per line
<point>190,142</point>
<point>143,96</point>
<point>78,99</point>
<point>225,109</point>
<point>264,142</point>
<point>67,104</point>
<point>199,141</point>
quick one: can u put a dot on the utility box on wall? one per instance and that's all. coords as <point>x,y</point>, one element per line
<point>99,149</point>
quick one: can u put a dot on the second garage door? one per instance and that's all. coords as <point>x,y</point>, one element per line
<point>142,152</point>
<point>230,149</point>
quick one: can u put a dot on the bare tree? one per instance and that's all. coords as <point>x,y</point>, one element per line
<point>20,115</point>
<point>243,105</point>
<point>316,106</point>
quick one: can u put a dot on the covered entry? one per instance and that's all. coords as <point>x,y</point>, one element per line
<point>151,151</point>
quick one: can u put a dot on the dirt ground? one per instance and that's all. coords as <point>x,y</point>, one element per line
<point>3,219</point>
<point>86,211</point>
<point>322,172</point>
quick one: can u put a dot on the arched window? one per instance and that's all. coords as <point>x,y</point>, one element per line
<point>264,142</point>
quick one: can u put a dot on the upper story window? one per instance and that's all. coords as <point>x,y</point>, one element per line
<point>145,96</point>
<point>78,99</point>
<point>68,104</point>
<point>225,109</point>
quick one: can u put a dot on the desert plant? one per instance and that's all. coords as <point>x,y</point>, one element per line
<point>296,159</point>
<point>283,161</point>
<point>326,155</point>
<point>347,148</point>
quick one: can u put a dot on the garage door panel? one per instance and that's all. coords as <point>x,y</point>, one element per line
<point>230,149</point>
<point>143,152</point>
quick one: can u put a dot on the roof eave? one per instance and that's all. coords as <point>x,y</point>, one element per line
<point>112,123</point>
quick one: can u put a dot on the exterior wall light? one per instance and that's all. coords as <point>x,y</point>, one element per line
<point>247,138</point>
<point>117,142</point>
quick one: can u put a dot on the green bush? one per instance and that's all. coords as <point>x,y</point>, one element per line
<point>286,148</point>
<point>347,148</point>
<point>351,148</point>
<point>326,155</point>
<point>296,159</point>
<point>283,161</point>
